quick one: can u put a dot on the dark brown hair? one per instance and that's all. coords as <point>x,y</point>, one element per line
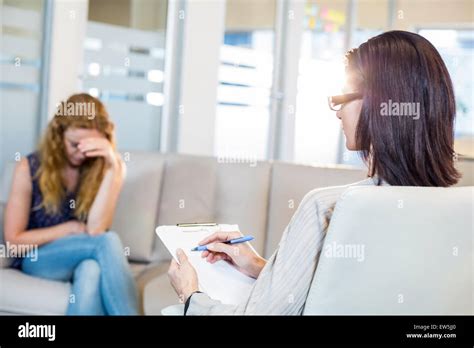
<point>403,67</point>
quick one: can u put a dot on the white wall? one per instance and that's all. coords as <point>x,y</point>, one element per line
<point>203,36</point>
<point>66,56</point>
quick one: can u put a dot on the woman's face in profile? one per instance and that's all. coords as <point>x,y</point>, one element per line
<point>349,116</point>
<point>72,138</point>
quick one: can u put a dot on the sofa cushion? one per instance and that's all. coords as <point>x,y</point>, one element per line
<point>188,194</point>
<point>11,298</point>
<point>290,183</point>
<point>242,198</point>
<point>135,216</point>
<point>24,294</point>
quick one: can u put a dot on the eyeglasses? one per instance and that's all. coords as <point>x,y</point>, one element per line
<point>335,102</point>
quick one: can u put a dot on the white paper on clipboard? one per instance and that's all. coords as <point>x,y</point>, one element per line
<point>220,280</point>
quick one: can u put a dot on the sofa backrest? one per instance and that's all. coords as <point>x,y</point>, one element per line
<point>135,214</point>
<point>199,189</point>
<point>242,198</point>
<point>5,185</point>
<point>466,168</point>
<point>397,250</point>
<point>168,188</point>
<point>188,195</point>
<point>290,183</point>
<point>6,181</point>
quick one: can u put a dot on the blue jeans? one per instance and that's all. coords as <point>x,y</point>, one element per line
<point>101,279</point>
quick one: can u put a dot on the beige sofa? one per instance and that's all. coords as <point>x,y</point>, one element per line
<point>166,189</point>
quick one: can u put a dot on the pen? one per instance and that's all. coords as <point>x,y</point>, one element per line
<point>231,241</point>
<point>192,224</point>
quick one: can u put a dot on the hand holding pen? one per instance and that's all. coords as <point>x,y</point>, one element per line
<point>230,241</point>
<point>232,247</point>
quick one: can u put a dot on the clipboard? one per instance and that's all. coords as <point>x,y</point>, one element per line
<point>221,281</point>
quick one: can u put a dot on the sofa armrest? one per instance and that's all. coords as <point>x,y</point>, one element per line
<point>5,262</point>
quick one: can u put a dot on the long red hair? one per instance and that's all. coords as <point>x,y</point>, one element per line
<point>53,156</point>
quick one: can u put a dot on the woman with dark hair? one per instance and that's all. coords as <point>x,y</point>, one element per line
<point>398,111</point>
<point>405,109</point>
